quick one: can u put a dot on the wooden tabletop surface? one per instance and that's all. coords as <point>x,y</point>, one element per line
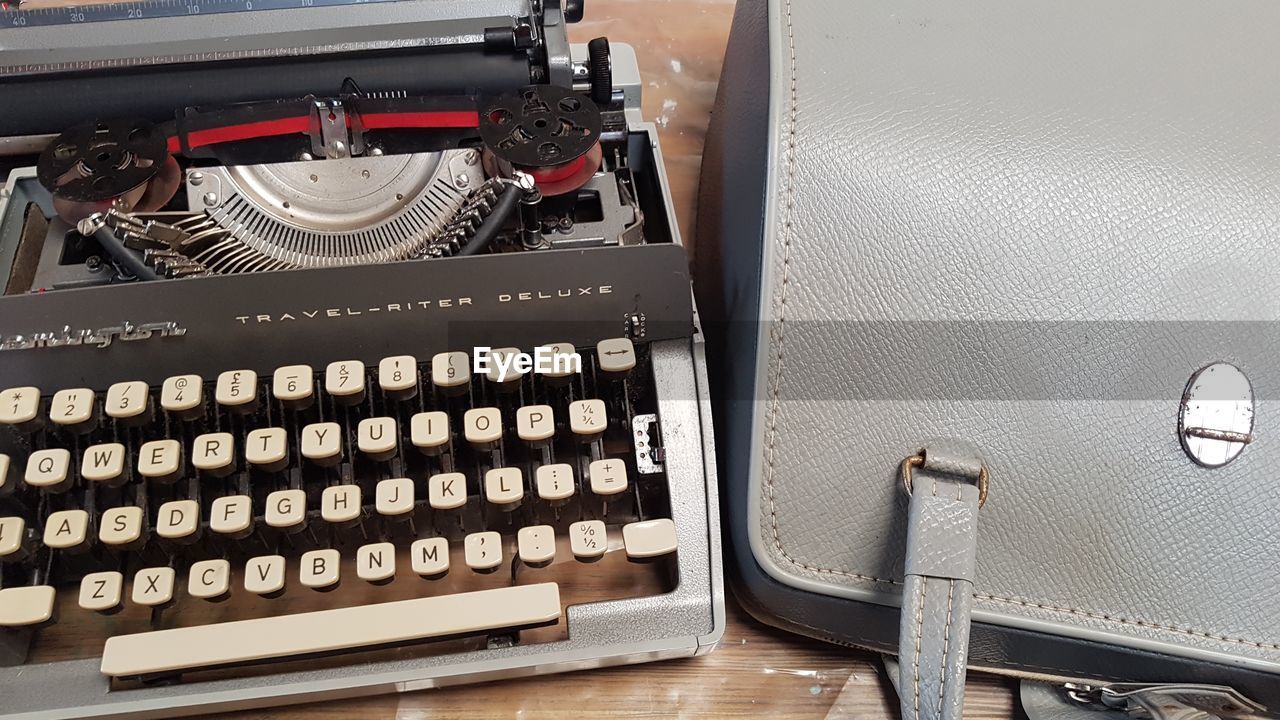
<point>756,672</point>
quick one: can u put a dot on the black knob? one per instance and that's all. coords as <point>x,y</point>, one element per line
<point>573,10</point>
<point>601,65</point>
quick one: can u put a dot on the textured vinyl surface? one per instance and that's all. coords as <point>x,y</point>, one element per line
<point>1023,226</point>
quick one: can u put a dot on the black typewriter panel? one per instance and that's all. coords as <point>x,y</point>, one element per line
<point>94,337</point>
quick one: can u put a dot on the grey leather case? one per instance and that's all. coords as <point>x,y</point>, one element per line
<point>1016,226</point>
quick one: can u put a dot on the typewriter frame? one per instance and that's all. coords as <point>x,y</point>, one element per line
<point>672,625</point>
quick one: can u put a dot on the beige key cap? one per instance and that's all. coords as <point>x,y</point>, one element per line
<point>504,487</point>
<point>588,539</point>
<point>160,460</point>
<point>264,575</point>
<point>322,443</point>
<point>179,520</point>
<point>293,385</point>
<point>237,390</point>
<point>13,532</point>
<point>587,419</point>
<point>20,407</point>
<point>537,544</point>
<point>232,515</point>
<point>557,361</point>
<point>482,426</point>
<point>25,606</point>
<point>319,569</point>
<point>483,551</point>
<point>376,562</point>
<point>121,527</point>
<point>66,529</point>
<point>48,469</point>
<point>101,591</point>
<point>129,402</point>
<point>340,504</point>
<point>103,464</point>
<point>616,356</point>
<point>536,423</point>
<point>504,370</point>
<point>330,631</point>
<point>8,477</point>
<point>287,510</point>
<point>429,556</point>
<point>394,497</point>
<point>377,437</point>
<point>398,376</point>
<point>214,453</point>
<point>183,396</point>
<point>344,381</point>
<point>267,449</point>
<point>209,579</point>
<point>73,409</point>
<point>153,587</point>
<point>608,477</point>
<point>649,538</point>
<point>429,431</point>
<point>447,491</point>
<point>451,371</point>
<point>555,482</point>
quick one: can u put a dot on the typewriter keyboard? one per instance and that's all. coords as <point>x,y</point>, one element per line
<point>322,513</point>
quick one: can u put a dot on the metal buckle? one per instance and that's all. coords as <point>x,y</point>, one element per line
<point>917,461</point>
<point>1166,701</point>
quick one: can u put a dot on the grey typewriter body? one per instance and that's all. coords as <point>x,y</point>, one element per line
<point>335,237</point>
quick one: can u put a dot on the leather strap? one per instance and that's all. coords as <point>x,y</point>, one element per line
<point>937,595</point>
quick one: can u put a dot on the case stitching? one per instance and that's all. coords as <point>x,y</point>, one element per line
<point>776,382</point>
<point>778,327</point>
<point>946,642</point>
<point>919,637</point>
<point>1127,621</point>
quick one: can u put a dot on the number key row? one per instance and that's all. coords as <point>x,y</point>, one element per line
<point>237,391</point>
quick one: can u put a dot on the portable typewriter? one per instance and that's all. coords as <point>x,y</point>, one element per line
<point>346,346</point>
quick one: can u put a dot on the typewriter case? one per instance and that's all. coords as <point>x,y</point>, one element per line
<point>1023,229</point>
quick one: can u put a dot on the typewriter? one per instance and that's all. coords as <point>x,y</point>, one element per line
<point>346,347</point>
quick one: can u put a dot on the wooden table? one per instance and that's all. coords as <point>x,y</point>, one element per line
<point>758,671</point>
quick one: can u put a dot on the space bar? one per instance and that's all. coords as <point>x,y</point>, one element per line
<point>244,641</point>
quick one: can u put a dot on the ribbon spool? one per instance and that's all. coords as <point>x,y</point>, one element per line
<point>547,131</point>
<point>104,164</point>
